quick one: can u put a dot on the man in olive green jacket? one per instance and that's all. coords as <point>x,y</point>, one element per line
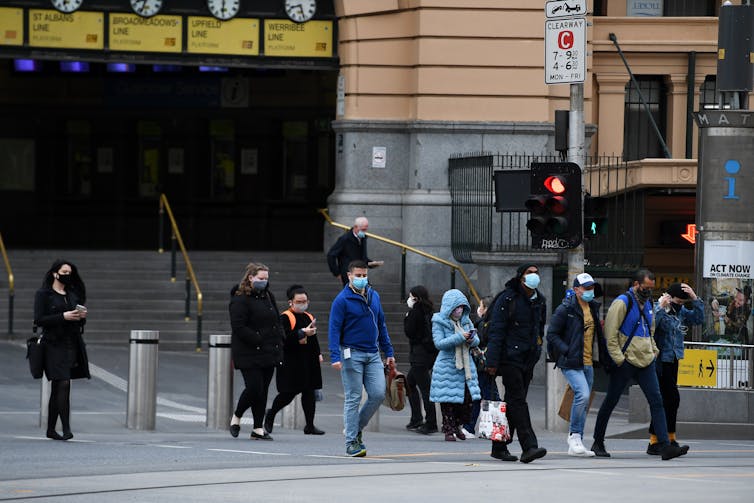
<point>629,327</point>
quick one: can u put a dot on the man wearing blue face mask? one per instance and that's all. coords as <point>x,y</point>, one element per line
<point>352,245</point>
<point>515,344</point>
<point>573,330</point>
<point>357,333</point>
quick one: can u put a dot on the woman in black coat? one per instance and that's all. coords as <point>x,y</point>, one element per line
<point>417,326</point>
<point>300,372</point>
<point>256,344</point>
<point>59,310</point>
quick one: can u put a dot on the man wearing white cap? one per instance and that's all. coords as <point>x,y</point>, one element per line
<point>574,328</point>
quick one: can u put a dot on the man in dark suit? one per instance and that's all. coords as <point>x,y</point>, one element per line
<point>351,246</point>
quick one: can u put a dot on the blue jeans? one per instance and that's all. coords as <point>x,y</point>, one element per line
<point>647,379</point>
<point>362,370</point>
<point>581,381</point>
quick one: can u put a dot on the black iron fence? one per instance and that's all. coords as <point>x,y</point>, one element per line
<point>477,227</point>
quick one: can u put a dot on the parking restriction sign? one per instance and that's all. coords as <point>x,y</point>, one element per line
<point>565,51</point>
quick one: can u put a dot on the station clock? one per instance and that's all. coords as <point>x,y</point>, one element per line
<point>223,9</point>
<point>67,5</point>
<point>300,11</point>
<point>146,8</point>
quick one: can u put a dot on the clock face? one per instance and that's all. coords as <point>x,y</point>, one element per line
<point>146,8</point>
<point>300,10</point>
<point>223,9</point>
<point>67,5</point>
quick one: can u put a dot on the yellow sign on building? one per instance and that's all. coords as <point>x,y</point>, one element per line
<point>698,368</point>
<point>77,30</point>
<point>312,39</point>
<point>11,26</point>
<point>129,32</point>
<point>207,35</point>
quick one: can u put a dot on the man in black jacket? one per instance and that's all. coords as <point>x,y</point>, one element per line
<point>515,345</point>
<point>352,245</point>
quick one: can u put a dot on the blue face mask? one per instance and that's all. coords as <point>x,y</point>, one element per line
<point>587,296</point>
<point>359,283</point>
<point>259,284</point>
<point>361,234</point>
<point>531,280</point>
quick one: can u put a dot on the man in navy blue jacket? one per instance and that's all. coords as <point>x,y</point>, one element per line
<point>357,333</point>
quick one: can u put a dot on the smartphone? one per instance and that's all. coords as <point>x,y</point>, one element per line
<point>472,332</point>
<point>80,308</point>
<point>313,323</point>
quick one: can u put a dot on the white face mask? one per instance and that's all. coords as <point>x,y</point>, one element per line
<point>411,302</point>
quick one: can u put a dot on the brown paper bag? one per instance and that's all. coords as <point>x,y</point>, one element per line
<point>567,402</point>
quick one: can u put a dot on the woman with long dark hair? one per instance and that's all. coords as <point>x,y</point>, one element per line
<point>256,344</point>
<point>422,352</point>
<point>300,372</point>
<point>60,312</point>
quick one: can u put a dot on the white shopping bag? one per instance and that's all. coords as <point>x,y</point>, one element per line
<point>493,424</point>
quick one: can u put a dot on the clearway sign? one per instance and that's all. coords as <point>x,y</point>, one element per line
<point>565,8</point>
<point>565,50</point>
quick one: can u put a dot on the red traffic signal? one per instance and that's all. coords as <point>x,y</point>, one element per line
<point>555,205</point>
<point>555,184</point>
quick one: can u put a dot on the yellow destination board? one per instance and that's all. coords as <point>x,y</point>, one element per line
<point>129,32</point>
<point>207,35</point>
<point>698,368</point>
<point>11,26</point>
<point>312,39</point>
<point>77,30</point>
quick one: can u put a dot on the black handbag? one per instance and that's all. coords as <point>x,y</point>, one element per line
<point>35,353</point>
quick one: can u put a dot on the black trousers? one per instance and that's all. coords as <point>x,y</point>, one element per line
<point>418,382</point>
<point>516,382</point>
<point>667,375</point>
<point>254,396</point>
<point>307,403</point>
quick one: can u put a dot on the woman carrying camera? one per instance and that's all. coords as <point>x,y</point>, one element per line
<point>60,312</point>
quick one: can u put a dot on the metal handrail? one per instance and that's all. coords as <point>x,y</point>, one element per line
<point>404,248</point>
<point>190,275</point>
<point>11,284</point>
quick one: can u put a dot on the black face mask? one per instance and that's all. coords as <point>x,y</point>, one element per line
<point>66,279</point>
<point>644,294</point>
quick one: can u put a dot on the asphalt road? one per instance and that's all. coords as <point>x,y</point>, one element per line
<point>182,460</point>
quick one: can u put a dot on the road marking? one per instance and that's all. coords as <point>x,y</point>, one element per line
<point>252,452</point>
<point>171,446</point>
<point>325,456</point>
<point>735,445</point>
<point>21,437</point>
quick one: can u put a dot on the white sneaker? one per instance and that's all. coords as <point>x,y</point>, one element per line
<point>576,447</point>
<point>468,435</point>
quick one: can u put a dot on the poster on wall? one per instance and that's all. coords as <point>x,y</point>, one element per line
<point>17,161</point>
<point>644,8</point>
<point>728,310</point>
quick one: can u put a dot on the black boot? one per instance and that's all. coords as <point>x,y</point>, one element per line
<point>269,420</point>
<point>500,451</point>
<point>598,447</point>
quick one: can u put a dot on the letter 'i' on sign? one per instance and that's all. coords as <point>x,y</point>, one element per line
<point>555,205</point>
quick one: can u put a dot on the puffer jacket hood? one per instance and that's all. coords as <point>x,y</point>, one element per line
<point>451,300</point>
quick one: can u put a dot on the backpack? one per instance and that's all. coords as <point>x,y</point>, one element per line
<point>605,359</point>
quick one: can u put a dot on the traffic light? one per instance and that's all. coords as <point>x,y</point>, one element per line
<point>555,205</point>
<point>595,216</point>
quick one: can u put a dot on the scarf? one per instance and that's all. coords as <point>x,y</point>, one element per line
<point>462,353</point>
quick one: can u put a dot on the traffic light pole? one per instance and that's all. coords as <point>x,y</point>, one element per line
<point>556,383</point>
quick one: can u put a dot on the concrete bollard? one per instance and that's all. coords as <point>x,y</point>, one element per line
<point>219,382</point>
<point>292,415</point>
<point>142,380</point>
<point>45,389</point>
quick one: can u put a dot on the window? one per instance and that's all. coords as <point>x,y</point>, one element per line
<point>708,99</point>
<point>639,138</point>
<point>681,8</point>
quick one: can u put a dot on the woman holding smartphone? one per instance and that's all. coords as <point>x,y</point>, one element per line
<point>454,375</point>
<point>60,312</point>
<point>300,372</point>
